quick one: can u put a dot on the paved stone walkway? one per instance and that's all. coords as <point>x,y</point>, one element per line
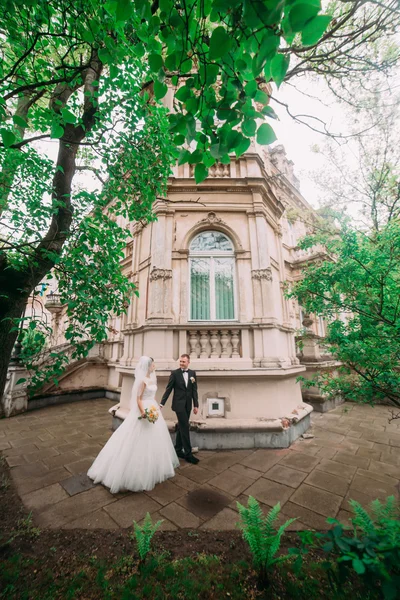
<point>355,454</point>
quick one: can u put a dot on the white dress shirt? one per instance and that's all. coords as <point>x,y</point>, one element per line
<point>185,377</point>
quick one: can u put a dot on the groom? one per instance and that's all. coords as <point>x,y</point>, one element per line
<point>183,382</point>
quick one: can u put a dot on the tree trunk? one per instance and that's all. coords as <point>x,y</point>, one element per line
<point>12,310</point>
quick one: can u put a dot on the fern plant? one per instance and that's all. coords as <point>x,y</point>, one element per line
<point>144,534</point>
<point>263,539</point>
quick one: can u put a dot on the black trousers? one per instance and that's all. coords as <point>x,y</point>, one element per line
<point>182,440</point>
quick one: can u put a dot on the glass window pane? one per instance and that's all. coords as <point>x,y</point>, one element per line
<point>224,293</point>
<point>200,289</point>
<point>211,241</point>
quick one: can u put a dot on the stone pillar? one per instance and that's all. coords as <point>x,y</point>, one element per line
<point>160,284</point>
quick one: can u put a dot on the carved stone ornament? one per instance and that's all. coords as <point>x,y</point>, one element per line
<point>262,274</point>
<point>160,274</point>
<point>212,219</point>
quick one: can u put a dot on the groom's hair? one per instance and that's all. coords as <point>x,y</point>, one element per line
<point>185,356</point>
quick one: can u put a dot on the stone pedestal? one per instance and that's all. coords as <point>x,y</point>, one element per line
<point>15,397</point>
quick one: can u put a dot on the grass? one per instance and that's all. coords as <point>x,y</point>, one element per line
<point>204,577</point>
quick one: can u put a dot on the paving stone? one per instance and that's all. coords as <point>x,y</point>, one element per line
<point>281,474</point>
<point>322,502</point>
<point>74,507</point>
<point>80,466</point>
<point>231,482</point>
<point>19,443</point>
<point>369,453</point>
<point>300,461</point>
<point>62,459</point>
<point>180,516</point>
<point>40,455</point>
<point>20,450</point>
<point>131,508</point>
<point>204,502</point>
<point>40,499</point>
<point>223,460</point>
<point>245,471</point>
<point>305,515</point>
<point>391,459</point>
<point>310,449</point>
<point>29,471</point>
<point>77,484</point>
<point>261,460</point>
<point>327,453</point>
<point>15,461</point>
<point>166,492</point>
<point>378,489</point>
<point>346,472</point>
<point>225,520</point>
<point>165,525</point>
<point>4,445</point>
<point>44,437</point>
<point>96,520</point>
<point>350,459</point>
<point>196,473</point>
<point>344,517</point>
<point>379,476</point>
<point>184,482</point>
<point>381,467</point>
<point>363,499</point>
<point>24,486</point>
<point>327,481</point>
<point>269,492</point>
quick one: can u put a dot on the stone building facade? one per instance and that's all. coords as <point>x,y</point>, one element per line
<point>211,273</point>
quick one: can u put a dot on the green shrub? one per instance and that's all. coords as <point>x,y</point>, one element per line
<point>370,548</point>
<point>263,539</point>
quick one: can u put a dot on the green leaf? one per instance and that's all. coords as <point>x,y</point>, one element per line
<point>8,137</point>
<point>249,127</point>
<point>358,566</point>
<point>124,10</point>
<point>265,134</point>
<point>220,43</point>
<point>242,147</point>
<point>68,116</point>
<point>269,112</point>
<point>301,14</point>
<point>21,380</point>
<point>19,121</point>
<point>160,89</point>
<point>279,67</point>
<point>200,173</point>
<point>57,131</point>
<point>155,62</point>
<point>314,30</point>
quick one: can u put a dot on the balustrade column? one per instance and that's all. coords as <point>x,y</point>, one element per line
<point>214,343</point>
<point>193,343</point>
<point>203,344</point>
<point>235,343</point>
<point>224,343</point>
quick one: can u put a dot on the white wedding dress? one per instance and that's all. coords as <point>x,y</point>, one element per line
<point>139,454</point>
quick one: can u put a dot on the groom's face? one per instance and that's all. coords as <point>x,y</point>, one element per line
<point>183,362</point>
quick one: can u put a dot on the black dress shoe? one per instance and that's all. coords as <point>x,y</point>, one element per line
<point>179,454</point>
<point>191,459</point>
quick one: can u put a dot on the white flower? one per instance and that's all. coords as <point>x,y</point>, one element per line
<point>192,379</point>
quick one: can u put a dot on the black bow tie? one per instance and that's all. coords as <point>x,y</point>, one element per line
<point>183,371</point>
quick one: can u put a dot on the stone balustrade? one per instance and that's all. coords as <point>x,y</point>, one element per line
<point>214,343</point>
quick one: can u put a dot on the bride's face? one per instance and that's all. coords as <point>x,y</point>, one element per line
<point>152,367</point>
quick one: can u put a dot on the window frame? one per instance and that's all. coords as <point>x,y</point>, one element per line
<point>211,255</point>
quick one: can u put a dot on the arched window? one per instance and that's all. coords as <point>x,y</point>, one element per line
<point>212,277</point>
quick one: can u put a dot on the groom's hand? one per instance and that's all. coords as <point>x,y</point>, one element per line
<point>195,410</point>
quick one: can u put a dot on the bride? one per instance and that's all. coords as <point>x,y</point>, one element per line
<point>140,453</point>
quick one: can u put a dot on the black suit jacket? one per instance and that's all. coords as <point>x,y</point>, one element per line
<point>183,395</point>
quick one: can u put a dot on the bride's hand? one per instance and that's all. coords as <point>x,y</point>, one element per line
<point>143,415</point>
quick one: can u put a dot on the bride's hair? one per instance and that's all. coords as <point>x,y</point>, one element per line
<point>141,372</point>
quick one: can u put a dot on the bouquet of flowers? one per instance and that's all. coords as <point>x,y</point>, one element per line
<point>151,414</point>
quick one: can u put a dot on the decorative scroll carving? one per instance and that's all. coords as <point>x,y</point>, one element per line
<point>160,274</point>
<point>262,274</point>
